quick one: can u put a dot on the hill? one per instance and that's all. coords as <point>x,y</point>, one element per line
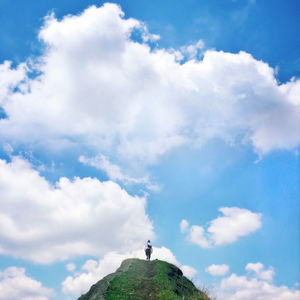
<point>138,279</point>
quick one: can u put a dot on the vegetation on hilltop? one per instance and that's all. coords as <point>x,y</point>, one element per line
<point>145,280</point>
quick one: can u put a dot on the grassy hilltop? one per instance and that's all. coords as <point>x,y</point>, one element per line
<point>138,279</point>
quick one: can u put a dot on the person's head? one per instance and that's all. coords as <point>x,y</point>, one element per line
<point>148,241</point>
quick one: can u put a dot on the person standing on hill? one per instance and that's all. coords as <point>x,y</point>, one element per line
<point>148,250</point>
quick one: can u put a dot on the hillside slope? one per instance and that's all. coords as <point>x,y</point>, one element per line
<point>138,279</point>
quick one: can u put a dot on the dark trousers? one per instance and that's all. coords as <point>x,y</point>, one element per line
<point>148,253</point>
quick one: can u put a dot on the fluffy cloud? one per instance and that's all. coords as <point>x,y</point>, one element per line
<point>70,267</point>
<point>10,78</point>
<point>191,51</point>
<point>189,271</point>
<point>79,217</point>
<point>184,226</point>
<point>92,270</point>
<point>217,270</point>
<point>260,272</point>
<point>256,285</point>
<point>235,222</point>
<point>114,172</point>
<point>197,236</point>
<point>15,284</point>
<point>99,87</point>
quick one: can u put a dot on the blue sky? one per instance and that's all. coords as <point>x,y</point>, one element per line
<point>169,120</point>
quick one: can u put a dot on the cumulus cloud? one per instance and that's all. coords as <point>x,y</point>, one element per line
<point>260,272</point>
<point>184,226</point>
<point>70,267</point>
<point>256,285</point>
<point>114,172</point>
<point>15,284</point>
<point>99,87</point>
<point>197,235</point>
<point>71,218</point>
<point>217,270</point>
<point>147,36</point>
<point>10,78</point>
<point>191,51</point>
<point>189,271</point>
<point>92,270</point>
<point>235,222</point>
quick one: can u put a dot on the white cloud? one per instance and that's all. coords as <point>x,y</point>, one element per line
<point>78,217</point>
<point>292,90</point>
<point>147,36</point>
<point>70,267</point>
<point>114,172</point>
<point>217,270</point>
<point>191,51</point>
<point>10,78</point>
<point>235,222</point>
<point>188,271</point>
<point>255,287</point>
<point>100,88</point>
<point>260,272</point>
<point>96,270</point>
<point>197,235</point>
<point>15,284</point>
<point>184,226</point>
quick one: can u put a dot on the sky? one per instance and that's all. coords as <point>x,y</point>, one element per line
<point>174,121</point>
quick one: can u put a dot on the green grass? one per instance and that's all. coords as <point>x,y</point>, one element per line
<point>154,280</point>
